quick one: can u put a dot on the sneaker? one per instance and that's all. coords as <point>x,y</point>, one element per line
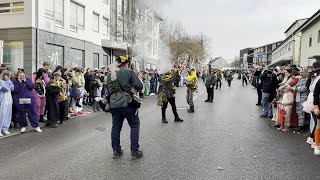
<point>1,135</point>
<point>178,119</point>
<point>53,125</point>
<point>313,145</point>
<point>6,132</point>
<point>38,129</point>
<point>309,140</point>
<point>280,128</point>
<point>285,130</point>
<point>263,116</point>
<point>117,154</point>
<point>207,101</point>
<point>24,129</point>
<point>317,150</point>
<point>137,154</point>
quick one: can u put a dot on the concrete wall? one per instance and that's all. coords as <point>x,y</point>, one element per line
<point>306,51</point>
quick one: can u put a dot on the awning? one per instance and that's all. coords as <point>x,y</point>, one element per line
<point>280,63</point>
<point>113,44</point>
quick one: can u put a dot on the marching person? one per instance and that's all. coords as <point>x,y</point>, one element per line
<point>25,102</point>
<point>120,84</point>
<point>210,83</point>
<point>168,90</point>
<point>244,78</point>
<point>192,85</point>
<point>219,78</point>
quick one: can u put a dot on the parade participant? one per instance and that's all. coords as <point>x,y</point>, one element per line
<point>210,82</point>
<point>244,78</point>
<point>192,85</point>
<point>167,91</point>
<point>40,79</point>
<point>229,78</point>
<point>219,78</point>
<point>258,84</point>
<point>122,85</point>
<point>52,103</point>
<point>25,102</point>
<point>6,86</point>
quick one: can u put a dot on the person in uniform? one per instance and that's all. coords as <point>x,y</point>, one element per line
<point>192,85</point>
<point>210,83</point>
<point>167,89</point>
<point>122,84</point>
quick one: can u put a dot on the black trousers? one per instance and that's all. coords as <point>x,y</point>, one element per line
<point>218,84</point>
<point>244,80</point>
<point>210,92</point>
<point>172,102</point>
<point>259,92</point>
<point>63,106</point>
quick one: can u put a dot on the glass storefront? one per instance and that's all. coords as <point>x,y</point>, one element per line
<point>13,54</point>
<point>76,59</point>
<point>52,54</point>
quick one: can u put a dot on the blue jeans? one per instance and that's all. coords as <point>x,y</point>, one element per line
<point>267,109</point>
<point>118,116</point>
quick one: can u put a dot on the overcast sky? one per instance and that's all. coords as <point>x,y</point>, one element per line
<point>236,24</point>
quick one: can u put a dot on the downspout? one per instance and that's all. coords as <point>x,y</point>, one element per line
<point>37,34</point>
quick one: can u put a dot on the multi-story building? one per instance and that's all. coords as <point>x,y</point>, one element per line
<point>263,54</point>
<point>218,63</point>
<point>62,32</point>
<point>246,57</point>
<point>288,52</point>
<point>70,33</point>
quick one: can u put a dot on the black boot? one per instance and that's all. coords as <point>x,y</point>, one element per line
<point>53,125</point>
<point>191,110</point>
<point>41,119</point>
<point>164,120</point>
<point>178,119</point>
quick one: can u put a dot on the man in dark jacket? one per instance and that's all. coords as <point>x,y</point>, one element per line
<point>210,83</point>
<point>167,89</point>
<point>267,79</point>
<point>258,85</point>
<point>120,85</point>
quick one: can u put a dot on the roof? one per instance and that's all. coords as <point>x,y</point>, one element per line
<point>269,44</point>
<point>309,21</point>
<point>216,59</point>
<point>294,24</point>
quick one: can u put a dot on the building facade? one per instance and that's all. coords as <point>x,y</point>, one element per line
<point>263,54</point>
<point>219,63</point>
<point>72,33</point>
<point>310,40</point>
<point>288,52</point>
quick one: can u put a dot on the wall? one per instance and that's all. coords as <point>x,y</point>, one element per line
<point>18,20</point>
<point>307,51</point>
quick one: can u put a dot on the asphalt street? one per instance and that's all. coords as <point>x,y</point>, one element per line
<point>221,140</point>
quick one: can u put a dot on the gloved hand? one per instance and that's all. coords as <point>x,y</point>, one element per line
<point>4,89</point>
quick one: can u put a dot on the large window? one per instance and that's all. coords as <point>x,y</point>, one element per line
<point>105,27</point>
<point>54,9</point>
<point>13,54</point>
<point>13,7</point>
<point>95,22</point>
<point>52,54</point>
<point>76,16</point>
<point>76,59</point>
<point>105,61</point>
<point>95,60</point>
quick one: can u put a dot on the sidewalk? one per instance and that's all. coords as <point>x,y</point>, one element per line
<point>13,131</point>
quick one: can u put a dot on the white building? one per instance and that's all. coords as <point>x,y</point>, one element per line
<point>219,63</point>
<point>263,54</point>
<point>288,52</point>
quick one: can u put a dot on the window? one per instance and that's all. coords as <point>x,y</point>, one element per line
<point>13,54</point>
<point>55,10</point>
<point>310,41</point>
<point>95,60</point>
<point>53,54</point>
<point>95,22</point>
<point>76,16</point>
<point>105,60</point>
<point>105,23</point>
<point>76,59</point>
<point>14,7</point>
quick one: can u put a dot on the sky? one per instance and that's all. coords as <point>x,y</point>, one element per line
<point>233,25</point>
